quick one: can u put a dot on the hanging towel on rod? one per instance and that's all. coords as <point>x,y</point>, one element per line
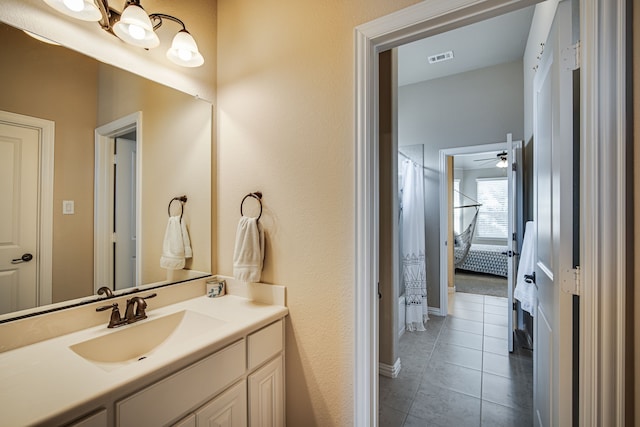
<point>525,292</point>
<point>248,254</point>
<point>176,246</point>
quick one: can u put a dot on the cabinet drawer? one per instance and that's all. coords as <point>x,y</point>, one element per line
<point>171,398</point>
<point>265,344</point>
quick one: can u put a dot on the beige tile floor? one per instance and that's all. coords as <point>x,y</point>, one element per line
<point>459,372</point>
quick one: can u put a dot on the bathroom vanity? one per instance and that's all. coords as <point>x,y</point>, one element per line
<point>193,362</point>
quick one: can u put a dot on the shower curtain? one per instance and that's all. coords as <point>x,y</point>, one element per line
<point>413,262</point>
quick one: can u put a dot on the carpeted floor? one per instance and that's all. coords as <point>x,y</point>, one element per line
<point>483,284</point>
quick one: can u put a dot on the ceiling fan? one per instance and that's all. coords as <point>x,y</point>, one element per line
<point>502,160</point>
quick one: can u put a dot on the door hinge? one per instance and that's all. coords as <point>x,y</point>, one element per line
<point>576,280</point>
<point>571,56</point>
<point>114,159</point>
<point>514,167</point>
<point>114,239</point>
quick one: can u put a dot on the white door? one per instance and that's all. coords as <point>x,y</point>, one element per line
<point>124,217</point>
<point>553,178</point>
<point>19,172</point>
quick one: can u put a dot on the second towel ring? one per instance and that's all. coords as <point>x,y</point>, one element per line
<point>258,196</point>
<point>182,200</point>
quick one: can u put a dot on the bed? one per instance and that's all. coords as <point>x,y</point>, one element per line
<point>487,259</point>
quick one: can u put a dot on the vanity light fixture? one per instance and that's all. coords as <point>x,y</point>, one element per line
<point>134,26</point>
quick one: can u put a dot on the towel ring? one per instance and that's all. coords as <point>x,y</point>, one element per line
<point>182,200</point>
<point>258,196</point>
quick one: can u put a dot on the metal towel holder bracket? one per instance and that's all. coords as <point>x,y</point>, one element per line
<point>256,195</point>
<point>182,200</point>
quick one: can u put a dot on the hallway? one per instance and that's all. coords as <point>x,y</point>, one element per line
<point>459,372</point>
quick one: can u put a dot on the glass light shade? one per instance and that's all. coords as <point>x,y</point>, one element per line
<point>502,163</point>
<point>40,38</point>
<point>184,51</point>
<point>135,28</point>
<point>85,10</point>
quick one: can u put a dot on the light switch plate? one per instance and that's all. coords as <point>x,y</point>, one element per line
<point>68,207</point>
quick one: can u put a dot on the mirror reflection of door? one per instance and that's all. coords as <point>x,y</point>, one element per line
<point>19,154</point>
<point>124,212</point>
<point>26,191</point>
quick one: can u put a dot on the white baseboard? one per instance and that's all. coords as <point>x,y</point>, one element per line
<point>390,371</point>
<point>435,311</point>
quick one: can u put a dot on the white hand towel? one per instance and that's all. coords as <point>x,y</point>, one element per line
<point>176,245</point>
<point>526,292</point>
<point>249,250</point>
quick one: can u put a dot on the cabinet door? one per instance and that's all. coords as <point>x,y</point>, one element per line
<point>266,395</point>
<point>98,419</point>
<point>227,410</point>
<point>189,421</point>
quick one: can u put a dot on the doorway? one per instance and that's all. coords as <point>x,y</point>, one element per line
<point>117,205</point>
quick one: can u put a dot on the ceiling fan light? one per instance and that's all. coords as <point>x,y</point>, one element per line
<point>135,28</point>
<point>502,163</point>
<point>184,50</point>
<point>85,10</point>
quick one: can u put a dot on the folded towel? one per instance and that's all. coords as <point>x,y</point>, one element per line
<point>176,246</point>
<point>249,251</point>
<point>526,292</point>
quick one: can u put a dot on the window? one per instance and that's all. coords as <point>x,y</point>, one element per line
<point>493,217</point>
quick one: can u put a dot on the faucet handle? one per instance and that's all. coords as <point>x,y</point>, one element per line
<point>115,320</point>
<point>107,307</point>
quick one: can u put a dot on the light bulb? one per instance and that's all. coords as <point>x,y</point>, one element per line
<point>136,31</point>
<point>75,5</point>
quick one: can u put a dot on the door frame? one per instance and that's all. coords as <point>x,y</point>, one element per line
<point>46,129</point>
<point>445,153</point>
<point>602,192</point>
<point>103,213</point>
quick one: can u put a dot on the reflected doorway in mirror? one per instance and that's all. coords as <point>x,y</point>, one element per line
<point>26,169</point>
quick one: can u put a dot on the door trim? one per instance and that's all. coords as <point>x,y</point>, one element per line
<point>46,129</point>
<point>444,217</point>
<point>603,216</point>
<point>103,214</point>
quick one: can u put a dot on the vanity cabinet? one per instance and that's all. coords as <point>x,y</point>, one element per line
<point>266,395</point>
<point>242,384</point>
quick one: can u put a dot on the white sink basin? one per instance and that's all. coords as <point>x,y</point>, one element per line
<point>132,343</point>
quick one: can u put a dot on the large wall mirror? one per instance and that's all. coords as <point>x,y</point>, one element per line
<point>162,138</point>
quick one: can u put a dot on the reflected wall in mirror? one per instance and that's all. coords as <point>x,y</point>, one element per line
<point>78,95</point>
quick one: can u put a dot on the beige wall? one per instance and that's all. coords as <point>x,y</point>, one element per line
<point>286,127</point>
<point>66,93</point>
<point>176,160</point>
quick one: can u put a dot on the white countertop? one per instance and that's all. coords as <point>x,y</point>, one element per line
<point>48,379</point>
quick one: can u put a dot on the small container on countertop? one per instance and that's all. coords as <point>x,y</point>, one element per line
<point>216,288</point>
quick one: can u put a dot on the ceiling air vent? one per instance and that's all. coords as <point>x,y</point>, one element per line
<point>439,57</point>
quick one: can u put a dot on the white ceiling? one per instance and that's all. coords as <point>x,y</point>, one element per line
<point>490,42</point>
